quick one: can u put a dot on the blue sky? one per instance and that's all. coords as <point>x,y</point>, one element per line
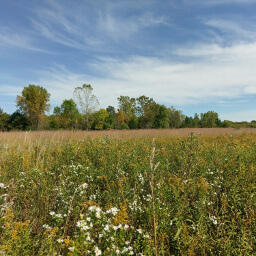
<point>195,55</point>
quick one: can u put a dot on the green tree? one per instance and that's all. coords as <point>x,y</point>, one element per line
<point>133,122</point>
<point>209,119</point>
<point>111,110</point>
<point>161,118</point>
<point>197,122</point>
<point>69,113</point>
<point>119,118</point>
<point>147,109</point>
<point>18,121</point>
<point>175,117</point>
<point>4,120</point>
<point>127,104</point>
<point>33,103</point>
<point>86,100</point>
<point>100,119</point>
<point>189,122</point>
<point>142,104</point>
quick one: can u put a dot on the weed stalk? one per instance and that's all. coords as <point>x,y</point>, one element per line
<point>151,183</point>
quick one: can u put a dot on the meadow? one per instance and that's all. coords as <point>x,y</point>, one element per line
<point>151,192</point>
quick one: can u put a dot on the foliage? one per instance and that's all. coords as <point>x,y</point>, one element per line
<point>181,196</point>
<point>175,117</point>
<point>67,115</point>
<point>209,119</point>
<point>127,105</point>
<point>18,121</point>
<point>33,103</point>
<point>100,120</point>
<point>133,113</point>
<point>4,120</point>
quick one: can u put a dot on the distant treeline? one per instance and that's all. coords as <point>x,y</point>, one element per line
<point>80,113</point>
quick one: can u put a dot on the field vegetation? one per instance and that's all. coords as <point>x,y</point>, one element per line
<point>151,192</point>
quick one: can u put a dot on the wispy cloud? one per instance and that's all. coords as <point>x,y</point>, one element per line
<point>24,40</point>
<point>245,31</point>
<point>228,74</point>
<point>9,90</point>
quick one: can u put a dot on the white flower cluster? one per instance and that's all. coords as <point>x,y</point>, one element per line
<point>106,230</point>
<point>213,219</point>
<point>95,209</point>
<point>57,215</point>
<point>2,185</point>
<point>113,210</point>
<point>84,186</point>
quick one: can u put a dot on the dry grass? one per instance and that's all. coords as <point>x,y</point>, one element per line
<point>116,134</point>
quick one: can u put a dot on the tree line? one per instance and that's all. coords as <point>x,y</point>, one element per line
<point>80,112</point>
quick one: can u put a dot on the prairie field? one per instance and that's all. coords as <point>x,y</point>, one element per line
<point>142,192</point>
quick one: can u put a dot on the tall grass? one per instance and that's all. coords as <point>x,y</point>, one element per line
<point>187,195</point>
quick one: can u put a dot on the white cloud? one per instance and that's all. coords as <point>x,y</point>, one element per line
<point>22,40</point>
<point>228,74</point>
<point>243,31</point>
<point>9,90</point>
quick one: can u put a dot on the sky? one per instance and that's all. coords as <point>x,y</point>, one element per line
<point>194,55</point>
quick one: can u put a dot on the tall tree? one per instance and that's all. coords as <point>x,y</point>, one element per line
<point>69,113</point>
<point>209,119</point>
<point>86,100</point>
<point>142,104</point>
<point>127,104</point>
<point>175,117</point>
<point>161,118</point>
<point>147,109</point>
<point>33,103</point>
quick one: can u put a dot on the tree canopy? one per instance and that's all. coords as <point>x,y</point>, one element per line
<point>132,113</point>
<point>33,103</point>
<point>87,101</point>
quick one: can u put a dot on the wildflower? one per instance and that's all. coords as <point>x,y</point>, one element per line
<point>71,248</point>
<point>46,226</point>
<point>82,224</point>
<point>126,227</point>
<point>2,185</point>
<point>52,213</point>
<point>96,209</point>
<point>92,197</point>
<point>60,241</point>
<point>213,219</point>
<point>139,231</point>
<point>88,238</point>
<point>84,186</point>
<point>115,227</point>
<point>113,210</point>
<point>106,228</point>
<point>125,250</point>
<point>97,251</point>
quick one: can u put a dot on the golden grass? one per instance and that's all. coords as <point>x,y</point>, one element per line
<point>116,134</point>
